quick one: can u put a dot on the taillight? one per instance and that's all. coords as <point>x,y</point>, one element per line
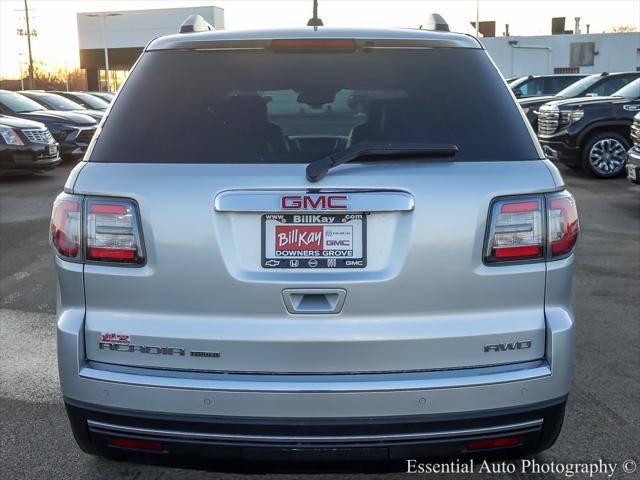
<point>516,231</point>
<point>65,226</point>
<point>563,224</point>
<point>111,232</point>
<point>531,228</point>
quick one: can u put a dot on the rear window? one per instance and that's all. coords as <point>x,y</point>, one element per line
<point>266,107</point>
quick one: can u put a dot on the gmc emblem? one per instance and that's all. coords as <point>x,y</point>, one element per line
<point>311,202</point>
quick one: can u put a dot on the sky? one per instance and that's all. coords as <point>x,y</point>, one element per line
<point>56,45</point>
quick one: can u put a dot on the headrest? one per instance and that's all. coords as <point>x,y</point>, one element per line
<point>247,108</point>
<point>375,108</point>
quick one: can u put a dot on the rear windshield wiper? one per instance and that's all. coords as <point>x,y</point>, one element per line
<point>317,169</point>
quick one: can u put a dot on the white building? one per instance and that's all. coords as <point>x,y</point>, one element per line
<point>124,34</point>
<point>590,53</point>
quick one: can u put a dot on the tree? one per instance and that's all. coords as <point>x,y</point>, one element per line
<point>77,79</point>
<point>621,29</point>
<point>48,79</point>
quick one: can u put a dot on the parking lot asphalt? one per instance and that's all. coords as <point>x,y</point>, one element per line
<point>603,414</point>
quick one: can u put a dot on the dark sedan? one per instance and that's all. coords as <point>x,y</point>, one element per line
<point>26,146</point>
<point>73,131</point>
<point>85,99</point>
<point>106,96</point>
<point>53,101</point>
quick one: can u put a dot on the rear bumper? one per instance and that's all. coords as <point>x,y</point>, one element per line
<point>251,442</point>
<point>285,396</point>
<point>333,422</point>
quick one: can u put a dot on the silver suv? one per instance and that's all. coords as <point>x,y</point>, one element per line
<point>315,245</point>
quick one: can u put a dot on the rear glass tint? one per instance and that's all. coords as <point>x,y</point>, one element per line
<point>265,107</point>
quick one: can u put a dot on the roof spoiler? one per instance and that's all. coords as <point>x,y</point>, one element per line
<point>435,22</point>
<point>195,23</point>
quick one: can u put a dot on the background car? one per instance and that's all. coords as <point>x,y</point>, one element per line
<point>633,155</point>
<point>590,132</point>
<point>601,84</point>
<point>537,85</point>
<point>53,101</point>
<point>106,96</point>
<point>72,130</point>
<point>87,100</point>
<point>26,146</point>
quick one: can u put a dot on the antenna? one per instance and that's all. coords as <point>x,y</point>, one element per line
<point>435,22</point>
<point>315,21</point>
<point>195,23</point>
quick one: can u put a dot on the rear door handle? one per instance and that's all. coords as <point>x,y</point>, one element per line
<point>314,300</point>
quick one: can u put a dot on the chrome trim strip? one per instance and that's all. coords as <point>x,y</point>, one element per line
<point>265,201</point>
<point>364,383</point>
<point>111,428</point>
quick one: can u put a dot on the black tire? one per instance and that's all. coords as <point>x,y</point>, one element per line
<point>607,143</point>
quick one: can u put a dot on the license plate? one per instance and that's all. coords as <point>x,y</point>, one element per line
<point>631,172</point>
<point>314,240</point>
<point>52,150</point>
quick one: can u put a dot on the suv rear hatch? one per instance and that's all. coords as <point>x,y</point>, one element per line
<point>249,267</point>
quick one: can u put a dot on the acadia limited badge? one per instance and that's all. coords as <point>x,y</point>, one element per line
<point>205,354</point>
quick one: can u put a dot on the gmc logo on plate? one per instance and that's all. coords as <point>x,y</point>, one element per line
<point>310,202</point>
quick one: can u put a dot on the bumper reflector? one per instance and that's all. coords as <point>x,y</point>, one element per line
<point>138,444</point>
<point>493,443</point>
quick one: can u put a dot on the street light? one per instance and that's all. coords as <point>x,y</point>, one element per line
<point>104,40</point>
<point>20,55</point>
<point>315,21</point>
<point>66,74</point>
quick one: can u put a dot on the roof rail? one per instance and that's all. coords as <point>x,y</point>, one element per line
<point>435,22</point>
<point>195,23</point>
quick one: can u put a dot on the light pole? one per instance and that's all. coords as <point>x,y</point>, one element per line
<point>104,40</point>
<point>20,55</point>
<point>28,33</point>
<point>66,74</point>
<point>26,15</point>
<point>315,21</point>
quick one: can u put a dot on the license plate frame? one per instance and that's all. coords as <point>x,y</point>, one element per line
<point>335,223</point>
